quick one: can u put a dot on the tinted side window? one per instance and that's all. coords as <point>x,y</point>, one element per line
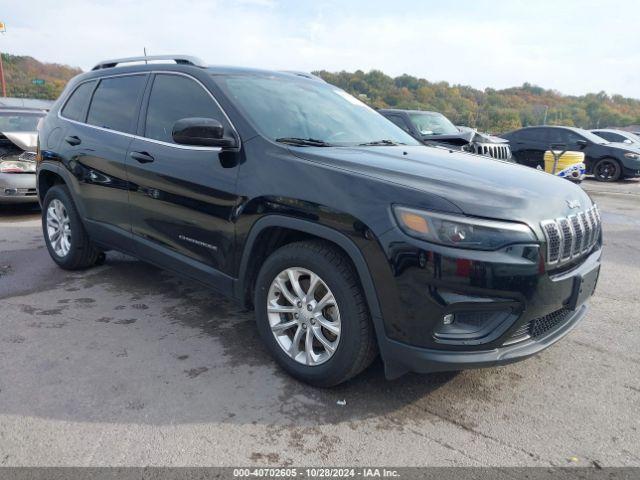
<point>611,137</point>
<point>399,121</point>
<point>76,106</point>
<point>533,135</point>
<point>567,137</point>
<point>172,98</point>
<point>115,101</point>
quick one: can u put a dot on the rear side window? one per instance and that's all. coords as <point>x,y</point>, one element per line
<point>76,106</point>
<point>610,137</point>
<point>115,101</point>
<point>172,98</point>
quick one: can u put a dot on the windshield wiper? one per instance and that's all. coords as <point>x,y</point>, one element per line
<point>381,142</point>
<point>306,142</point>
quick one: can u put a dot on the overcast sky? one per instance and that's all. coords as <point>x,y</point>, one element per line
<point>571,46</point>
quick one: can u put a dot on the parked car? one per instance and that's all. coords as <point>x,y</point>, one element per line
<point>18,137</point>
<point>342,231</point>
<point>433,128</point>
<point>607,161</point>
<point>618,136</point>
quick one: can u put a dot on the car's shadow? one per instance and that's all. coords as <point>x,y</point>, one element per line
<point>144,345</point>
<point>19,210</point>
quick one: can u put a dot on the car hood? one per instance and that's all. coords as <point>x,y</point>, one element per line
<point>624,146</point>
<point>27,141</point>
<point>476,185</point>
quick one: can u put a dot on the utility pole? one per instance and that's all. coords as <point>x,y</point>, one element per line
<point>546,109</point>
<point>4,85</point>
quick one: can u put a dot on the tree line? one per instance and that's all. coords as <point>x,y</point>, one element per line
<point>488,110</point>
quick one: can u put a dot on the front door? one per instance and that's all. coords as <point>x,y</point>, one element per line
<point>181,197</point>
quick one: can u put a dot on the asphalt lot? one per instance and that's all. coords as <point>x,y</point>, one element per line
<point>125,364</point>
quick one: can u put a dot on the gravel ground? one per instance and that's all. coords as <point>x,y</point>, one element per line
<point>125,364</point>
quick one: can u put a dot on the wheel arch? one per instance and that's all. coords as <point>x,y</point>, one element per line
<point>50,174</point>
<point>301,230</point>
<point>611,158</point>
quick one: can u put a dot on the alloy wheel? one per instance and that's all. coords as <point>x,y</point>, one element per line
<point>606,170</point>
<point>303,316</point>
<point>58,228</point>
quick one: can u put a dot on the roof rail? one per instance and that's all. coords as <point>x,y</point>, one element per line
<point>179,59</point>
<point>308,75</point>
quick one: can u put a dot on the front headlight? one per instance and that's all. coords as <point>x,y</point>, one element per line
<point>460,231</point>
<point>17,166</point>
<point>631,155</point>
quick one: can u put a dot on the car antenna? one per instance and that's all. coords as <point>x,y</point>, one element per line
<point>144,49</point>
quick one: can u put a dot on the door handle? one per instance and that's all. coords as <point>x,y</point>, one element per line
<point>73,140</point>
<point>142,157</point>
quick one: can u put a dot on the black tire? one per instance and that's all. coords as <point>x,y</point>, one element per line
<point>81,254</point>
<point>357,346</point>
<point>607,170</point>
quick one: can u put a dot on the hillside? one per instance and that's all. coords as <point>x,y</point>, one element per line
<point>489,110</point>
<point>19,72</point>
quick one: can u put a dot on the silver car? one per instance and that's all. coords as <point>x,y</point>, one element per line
<point>18,144</point>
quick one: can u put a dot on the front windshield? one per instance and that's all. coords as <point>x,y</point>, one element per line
<point>284,108</point>
<point>633,137</point>
<point>19,121</point>
<point>431,123</point>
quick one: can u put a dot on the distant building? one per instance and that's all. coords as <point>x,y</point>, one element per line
<point>25,103</point>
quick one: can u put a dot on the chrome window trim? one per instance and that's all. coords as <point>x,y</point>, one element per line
<point>138,137</point>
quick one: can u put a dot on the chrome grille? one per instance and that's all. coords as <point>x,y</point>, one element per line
<point>578,231</point>
<point>569,237</point>
<point>499,151</point>
<point>567,233</point>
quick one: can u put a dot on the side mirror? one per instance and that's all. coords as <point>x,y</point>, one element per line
<point>627,141</point>
<point>206,132</point>
<point>582,143</point>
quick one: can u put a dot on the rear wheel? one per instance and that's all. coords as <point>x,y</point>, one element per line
<point>607,170</point>
<point>64,234</point>
<point>312,315</point>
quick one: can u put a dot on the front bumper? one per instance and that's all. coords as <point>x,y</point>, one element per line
<point>631,172</point>
<point>405,357</point>
<point>510,288</point>
<point>18,188</point>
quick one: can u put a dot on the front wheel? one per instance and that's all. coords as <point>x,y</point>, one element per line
<point>312,315</point>
<point>607,170</point>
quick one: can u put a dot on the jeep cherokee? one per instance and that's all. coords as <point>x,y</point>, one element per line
<point>346,235</point>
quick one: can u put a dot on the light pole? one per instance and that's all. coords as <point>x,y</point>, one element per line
<point>3,29</point>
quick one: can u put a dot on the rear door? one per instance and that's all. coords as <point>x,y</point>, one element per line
<point>182,197</point>
<point>95,145</point>
<point>528,146</point>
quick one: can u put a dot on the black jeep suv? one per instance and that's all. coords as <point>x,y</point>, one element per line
<point>346,235</point>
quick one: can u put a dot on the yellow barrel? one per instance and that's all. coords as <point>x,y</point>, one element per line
<point>566,160</point>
